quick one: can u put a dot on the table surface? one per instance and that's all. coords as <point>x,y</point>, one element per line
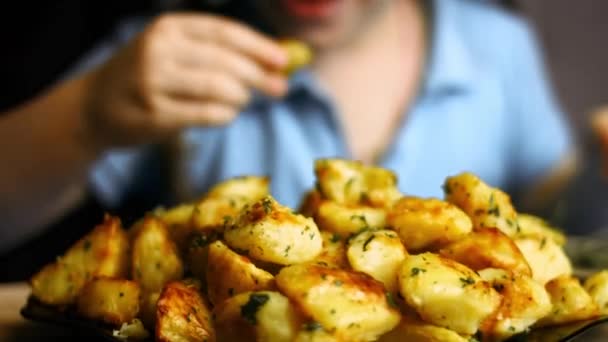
<point>13,327</point>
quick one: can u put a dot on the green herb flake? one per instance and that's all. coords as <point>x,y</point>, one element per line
<point>543,242</point>
<point>287,250</point>
<point>391,300</point>
<point>267,205</point>
<point>366,243</point>
<point>415,271</point>
<point>338,282</point>
<point>467,281</point>
<point>250,309</point>
<point>446,188</point>
<point>87,245</point>
<point>335,238</point>
<point>312,326</point>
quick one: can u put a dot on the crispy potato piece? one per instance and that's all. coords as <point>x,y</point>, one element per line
<point>270,232</point>
<point>155,258</point>
<point>263,316</point>
<point>216,212</point>
<point>352,183</point>
<point>524,302</point>
<point>487,248</point>
<point>485,205</point>
<point>111,300</point>
<point>229,274</point>
<point>413,329</point>
<point>249,188</point>
<point>299,55</point>
<point>597,287</point>
<point>177,219</point>
<point>197,252</point>
<point>546,259</point>
<point>102,252</point>
<point>351,305</point>
<point>182,314</point>
<point>429,223</point>
<point>347,221</point>
<point>570,302</point>
<point>446,293</point>
<point>378,253</point>
<point>333,253</point>
<point>536,227</point>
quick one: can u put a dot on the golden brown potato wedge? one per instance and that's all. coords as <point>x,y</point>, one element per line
<point>535,227</point>
<point>413,329</point>
<point>155,258</point>
<point>229,274</point>
<point>249,188</point>
<point>270,232</point>
<point>352,183</point>
<point>446,293</point>
<point>111,300</point>
<point>177,220</point>
<point>351,305</point>
<point>597,287</point>
<point>570,302</point>
<point>102,252</point>
<point>427,223</point>
<point>524,302</point>
<point>487,248</point>
<point>485,205</point>
<point>333,253</point>
<point>263,316</point>
<point>349,220</point>
<point>378,253</point>
<point>182,315</point>
<point>299,55</point>
<point>546,259</point>
<point>216,212</point>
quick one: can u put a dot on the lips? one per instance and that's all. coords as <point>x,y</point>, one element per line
<point>311,9</point>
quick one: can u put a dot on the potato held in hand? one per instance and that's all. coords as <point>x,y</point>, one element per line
<point>270,232</point>
<point>351,305</point>
<point>446,293</point>
<point>102,252</point>
<point>114,301</point>
<point>299,55</point>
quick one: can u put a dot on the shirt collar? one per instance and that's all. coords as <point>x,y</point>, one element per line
<point>450,65</point>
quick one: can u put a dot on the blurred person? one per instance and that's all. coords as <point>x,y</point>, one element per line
<point>425,88</point>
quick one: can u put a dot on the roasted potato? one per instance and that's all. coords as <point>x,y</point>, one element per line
<point>155,258</point>
<point>333,253</point>
<point>229,274</point>
<point>197,252</point>
<point>263,316</point>
<point>270,232</point>
<point>570,302</point>
<point>546,259</point>
<point>177,219</point>
<point>487,248</point>
<point>378,253</point>
<point>535,227</point>
<point>524,301</point>
<point>446,293</point>
<point>249,188</point>
<point>102,252</point>
<point>597,287</point>
<point>349,220</point>
<point>111,300</point>
<point>429,223</point>
<point>351,305</point>
<point>352,183</point>
<point>485,205</point>
<point>413,329</point>
<point>182,315</point>
<point>299,55</point>
<point>214,213</point>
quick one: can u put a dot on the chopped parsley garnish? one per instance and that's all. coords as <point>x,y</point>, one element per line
<point>250,309</point>
<point>366,243</point>
<point>338,282</point>
<point>390,300</point>
<point>415,271</point>
<point>312,326</point>
<point>467,281</point>
<point>335,238</point>
<point>267,205</point>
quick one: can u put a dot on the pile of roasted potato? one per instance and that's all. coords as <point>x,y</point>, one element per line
<point>359,261</point>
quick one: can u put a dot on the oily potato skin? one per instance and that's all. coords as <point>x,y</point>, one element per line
<point>155,258</point>
<point>446,293</point>
<point>349,220</point>
<point>570,302</point>
<point>429,223</point>
<point>183,315</point>
<point>262,316</point>
<point>487,248</point>
<point>268,231</point>
<point>413,329</point>
<point>229,274</point>
<point>352,183</point>
<point>111,300</point>
<point>102,252</point>
<point>597,287</point>
<point>546,259</point>
<point>485,205</point>
<point>351,305</point>
<point>378,253</point>
<point>524,302</point>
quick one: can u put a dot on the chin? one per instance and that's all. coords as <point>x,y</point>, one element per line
<point>321,36</point>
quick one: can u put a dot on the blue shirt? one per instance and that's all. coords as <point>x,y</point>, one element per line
<point>485,107</point>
